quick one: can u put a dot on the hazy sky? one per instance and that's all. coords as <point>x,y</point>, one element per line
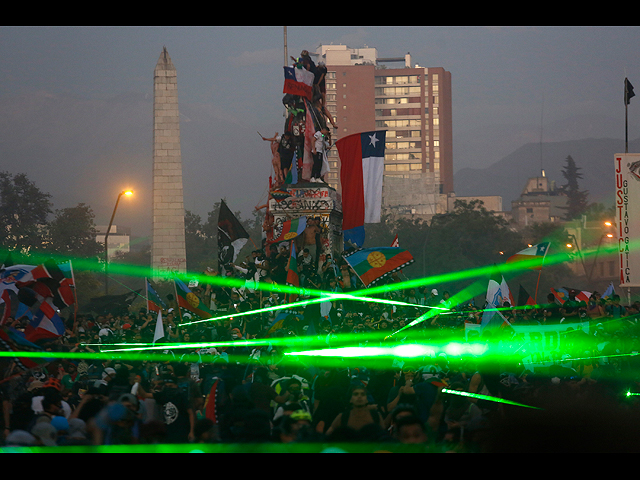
<point>232,78</point>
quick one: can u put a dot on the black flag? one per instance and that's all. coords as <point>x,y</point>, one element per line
<point>231,237</point>
<point>628,91</point>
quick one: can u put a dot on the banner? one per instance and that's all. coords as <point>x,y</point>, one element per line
<point>544,343</point>
<point>627,174</point>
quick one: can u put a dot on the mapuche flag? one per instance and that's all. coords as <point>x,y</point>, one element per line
<point>291,229</point>
<point>373,264</point>
<point>292,271</point>
<point>361,173</point>
<point>188,300</point>
<point>154,302</point>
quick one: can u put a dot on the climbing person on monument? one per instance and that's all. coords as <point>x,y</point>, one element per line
<point>275,158</point>
<point>319,155</point>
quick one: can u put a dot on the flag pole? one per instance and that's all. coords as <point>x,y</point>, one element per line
<point>628,93</point>
<point>146,291</point>
<point>75,296</point>
<point>540,272</point>
<point>626,117</point>
<point>175,290</point>
<point>537,285</point>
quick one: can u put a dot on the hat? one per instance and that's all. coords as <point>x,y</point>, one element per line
<point>60,423</point>
<point>129,397</point>
<point>53,383</point>
<point>46,433</point>
<point>34,385</point>
<point>77,428</point>
<point>20,438</point>
<point>434,291</point>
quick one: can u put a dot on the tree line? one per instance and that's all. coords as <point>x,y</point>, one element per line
<point>468,237</point>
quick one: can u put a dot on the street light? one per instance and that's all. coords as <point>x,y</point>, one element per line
<point>126,193</point>
<point>575,244</point>
<point>607,235</point>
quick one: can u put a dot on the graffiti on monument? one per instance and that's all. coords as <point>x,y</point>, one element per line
<point>172,264</point>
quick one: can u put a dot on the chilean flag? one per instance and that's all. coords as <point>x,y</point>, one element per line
<point>46,324</point>
<point>361,171</point>
<point>298,81</point>
<point>531,257</point>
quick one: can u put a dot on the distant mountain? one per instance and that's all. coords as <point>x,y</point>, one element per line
<point>507,177</point>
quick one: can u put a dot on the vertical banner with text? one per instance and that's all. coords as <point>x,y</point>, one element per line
<point>627,174</point>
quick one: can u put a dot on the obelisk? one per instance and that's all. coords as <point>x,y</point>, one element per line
<point>168,252</point>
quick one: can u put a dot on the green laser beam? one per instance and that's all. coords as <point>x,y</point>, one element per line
<point>412,350</point>
<point>486,397</point>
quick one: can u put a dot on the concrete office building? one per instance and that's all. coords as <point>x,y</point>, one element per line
<point>413,104</point>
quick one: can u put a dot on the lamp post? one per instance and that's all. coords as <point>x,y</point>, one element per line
<point>106,241</point>
<point>575,243</point>
<point>607,224</point>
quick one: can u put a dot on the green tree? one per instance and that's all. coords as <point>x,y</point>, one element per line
<point>73,232</point>
<point>199,252</point>
<point>468,237</point>
<point>576,198</point>
<point>597,211</point>
<point>24,209</point>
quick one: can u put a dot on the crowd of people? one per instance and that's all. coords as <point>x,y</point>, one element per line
<point>232,392</point>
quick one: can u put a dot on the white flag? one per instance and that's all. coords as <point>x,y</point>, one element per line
<point>159,329</point>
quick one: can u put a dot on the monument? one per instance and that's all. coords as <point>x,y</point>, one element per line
<point>302,207</point>
<point>168,251</point>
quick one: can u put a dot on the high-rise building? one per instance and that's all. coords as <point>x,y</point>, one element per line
<point>413,104</point>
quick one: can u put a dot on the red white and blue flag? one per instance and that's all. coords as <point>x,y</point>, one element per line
<point>298,81</point>
<point>531,257</point>
<point>361,173</point>
<point>46,324</point>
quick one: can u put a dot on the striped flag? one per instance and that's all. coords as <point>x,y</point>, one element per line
<point>292,271</point>
<point>291,229</point>
<point>361,172</point>
<point>298,81</point>
<point>374,264</point>
<point>531,257</point>
<point>188,300</point>
<point>524,298</point>
<point>46,323</point>
<point>154,302</point>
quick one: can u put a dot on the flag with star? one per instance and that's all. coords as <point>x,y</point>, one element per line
<point>361,171</point>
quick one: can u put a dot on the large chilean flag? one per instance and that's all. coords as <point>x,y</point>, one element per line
<point>361,171</point>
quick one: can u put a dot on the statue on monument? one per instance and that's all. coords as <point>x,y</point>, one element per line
<point>298,187</point>
<point>307,137</point>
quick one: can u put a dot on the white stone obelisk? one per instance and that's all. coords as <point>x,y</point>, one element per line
<point>168,252</point>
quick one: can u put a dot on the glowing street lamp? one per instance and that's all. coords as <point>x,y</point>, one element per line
<point>126,193</point>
